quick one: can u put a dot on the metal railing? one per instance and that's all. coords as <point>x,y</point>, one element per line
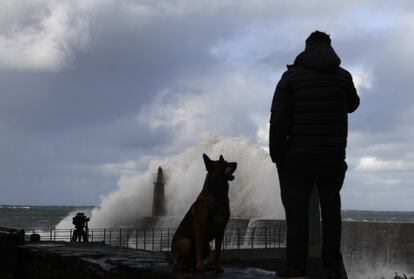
<point>159,239</point>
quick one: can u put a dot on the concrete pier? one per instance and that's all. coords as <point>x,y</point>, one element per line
<point>95,260</point>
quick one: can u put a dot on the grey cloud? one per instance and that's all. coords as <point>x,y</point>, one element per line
<point>43,35</point>
<point>85,113</point>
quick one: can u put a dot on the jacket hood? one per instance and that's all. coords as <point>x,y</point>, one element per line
<point>321,57</point>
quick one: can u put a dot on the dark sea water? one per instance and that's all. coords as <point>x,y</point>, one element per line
<point>46,217</point>
<point>35,217</point>
<point>378,216</point>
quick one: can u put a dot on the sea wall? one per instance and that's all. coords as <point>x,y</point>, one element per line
<point>366,247</point>
<point>370,245</point>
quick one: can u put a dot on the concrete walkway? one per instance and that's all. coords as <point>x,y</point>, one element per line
<point>95,260</point>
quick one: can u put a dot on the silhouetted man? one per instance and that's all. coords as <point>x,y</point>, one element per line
<point>308,134</point>
<point>81,222</point>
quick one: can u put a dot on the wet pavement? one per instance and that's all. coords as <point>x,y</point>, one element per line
<point>95,260</point>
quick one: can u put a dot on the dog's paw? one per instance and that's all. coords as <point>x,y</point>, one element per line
<point>200,268</point>
<point>210,266</point>
<point>219,269</point>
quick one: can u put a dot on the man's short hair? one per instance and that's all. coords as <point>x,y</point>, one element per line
<point>317,37</point>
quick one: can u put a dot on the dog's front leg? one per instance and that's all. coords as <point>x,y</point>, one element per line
<point>200,235</point>
<point>218,242</point>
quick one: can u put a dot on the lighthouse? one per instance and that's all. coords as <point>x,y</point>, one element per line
<point>158,202</point>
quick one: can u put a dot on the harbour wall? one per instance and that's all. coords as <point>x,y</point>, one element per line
<point>365,246</point>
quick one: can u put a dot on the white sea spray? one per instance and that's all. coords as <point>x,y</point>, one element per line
<point>253,193</point>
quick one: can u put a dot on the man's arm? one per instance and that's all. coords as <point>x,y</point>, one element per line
<point>352,96</point>
<point>280,121</point>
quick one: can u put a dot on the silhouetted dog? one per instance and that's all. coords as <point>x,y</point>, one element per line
<point>205,220</point>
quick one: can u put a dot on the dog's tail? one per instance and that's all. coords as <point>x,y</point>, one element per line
<point>169,259</point>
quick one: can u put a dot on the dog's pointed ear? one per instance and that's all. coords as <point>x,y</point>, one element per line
<point>221,158</point>
<point>207,161</point>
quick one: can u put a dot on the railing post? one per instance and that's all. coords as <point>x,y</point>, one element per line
<point>70,234</point>
<point>104,236</point>
<point>145,239</point>
<point>110,236</point>
<point>168,239</point>
<point>92,235</point>
<point>272,236</point>
<point>153,231</point>
<point>136,239</point>
<point>265,229</point>
<point>252,236</point>
<point>120,237</point>
<point>272,230</point>
<point>279,236</point>
<point>50,237</point>
<point>161,240</point>
<point>238,238</point>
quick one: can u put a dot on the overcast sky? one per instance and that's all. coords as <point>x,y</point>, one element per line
<point>91,90</point>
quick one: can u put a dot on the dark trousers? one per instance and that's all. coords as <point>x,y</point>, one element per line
<point>297,178</point>
<point>78,234</point>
